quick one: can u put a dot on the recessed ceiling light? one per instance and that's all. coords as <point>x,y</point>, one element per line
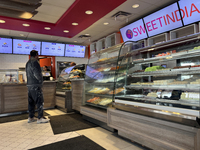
<point>106,23</point>
<point>66,31</point>
<point>89,12</point>
<point>87,34</point>
<point>2,21</point>
<point>136,6</point>
<point>75,41</point>
<point>21,34</point>
<point>74,24</point>
<point>26,25</point>
<point>47,28</point>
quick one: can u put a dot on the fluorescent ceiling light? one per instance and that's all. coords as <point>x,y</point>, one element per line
<point>47,28</point>
<point>74,24</point>
<point>87,34</point>
<point>135,5</point>
<point>89,12</point>
<point>66,31</point>
<point>21,34</point>
<point>75,41</point>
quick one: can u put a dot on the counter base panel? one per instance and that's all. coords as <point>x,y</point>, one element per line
<point>94,113</point>
<point>193,122</point>
<point>97,122</point>
<point>153,133</point>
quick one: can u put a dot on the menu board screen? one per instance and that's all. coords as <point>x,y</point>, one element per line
<point>52,49</point>
<point>134,31</point>
<point>24,46</point>
<point>74,51</point>
<point>163,20</point>
<point>6,45</point>
<point>190,11</point>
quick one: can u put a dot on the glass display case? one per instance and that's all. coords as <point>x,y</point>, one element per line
<point>161,81</point>
<point>68,74</point>
<point>100,74</point>
<point>13,76</point>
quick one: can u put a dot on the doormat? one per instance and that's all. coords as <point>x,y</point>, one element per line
<point>77,143</point>
<point>68,123</point>
<point>18,117</point>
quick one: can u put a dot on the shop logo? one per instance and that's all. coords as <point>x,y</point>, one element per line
<point>129,34</point>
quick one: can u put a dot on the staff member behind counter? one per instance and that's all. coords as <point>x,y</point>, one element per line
<point>46,73</point>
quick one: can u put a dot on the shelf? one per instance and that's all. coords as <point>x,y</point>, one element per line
<point>183,71</point>
<point>101,95</point>
<point>156,100</point>
<point>174,56</point>
<point>183,87</point>
<point>96,105</point>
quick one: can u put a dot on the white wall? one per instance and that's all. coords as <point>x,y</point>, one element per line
<point>11,61</point>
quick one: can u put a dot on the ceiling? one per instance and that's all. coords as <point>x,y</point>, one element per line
<point>60,14</point>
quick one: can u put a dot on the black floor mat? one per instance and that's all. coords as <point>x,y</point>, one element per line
<point>17,117</point>
<point>77,143</point>
<point>68,123</point>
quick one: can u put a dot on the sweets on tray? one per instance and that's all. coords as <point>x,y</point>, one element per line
<point>154,68</point>
<point>190,96</point>
<point>116,91</point>
<point>137,83</point>
<point>163,82</point>
<point>178,82</point>
<point>93,99</point>
<point>179,67</point>
<point>76,70</point>
<point>195,66</point>
<point>152,94</point>
<point>99,90</point>
<point>105,101</point>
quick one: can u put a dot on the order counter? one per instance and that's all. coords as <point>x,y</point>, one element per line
<point>14,97</point>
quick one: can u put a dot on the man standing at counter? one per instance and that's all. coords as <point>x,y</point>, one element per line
<point>34,84</point>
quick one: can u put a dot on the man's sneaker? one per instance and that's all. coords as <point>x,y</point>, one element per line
<point>43,120</point>
<point>31,119</point>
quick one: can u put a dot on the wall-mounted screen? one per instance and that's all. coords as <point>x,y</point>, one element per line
<point>163,20</point>
<point>134,31</point>
<point>74,51</point>
<point>6,45</point>
<point>190,11</point>
<point>52,49</point>
<point>24,46</point>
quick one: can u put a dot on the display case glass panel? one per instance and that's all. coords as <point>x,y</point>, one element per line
<point>68,74</point>
<point>100,77</point>
<point>163,80</point>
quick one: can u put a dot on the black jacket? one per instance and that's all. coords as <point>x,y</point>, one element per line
<point>33,73</point>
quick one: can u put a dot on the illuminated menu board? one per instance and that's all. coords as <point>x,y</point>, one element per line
<point>6,45</point>
<point>52,49</point>
<point>134,31</point>
<point>190,11</point>
<point>74,51</point>
<point>163,20</point>
<point>24,46</point>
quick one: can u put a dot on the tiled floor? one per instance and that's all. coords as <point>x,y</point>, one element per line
<point>20,135</point>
